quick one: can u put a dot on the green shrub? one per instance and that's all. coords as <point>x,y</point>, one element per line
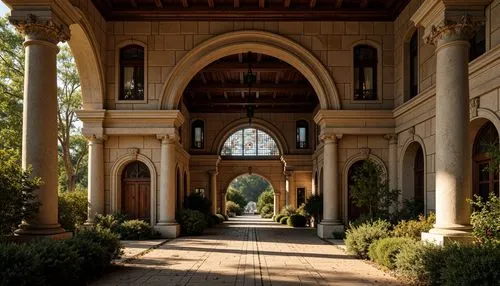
<point>236,196</point>
<point>472,265</point>
<point>73,209</point>
<point>284,220</point>
<point>384,251</point>
<point>111,222</point>
<point>265,198</point>
<point>136,230</point>
<point>233,208</point>
<point>198,202</point>
<point>268,215</point>
<point>221,218</point>
<point>296,220</point>
<point>279,217</point>
<point>358,239</point>
<point>288,210</point>
<point>18,200</point>
<point>267,210</point>
<point>414,228</point>
<point>314,207</point>
<point>420,262</point>
<point>192,221</point>
<point>49,262</point>
<point>485,218</point>
<point>104,237</point>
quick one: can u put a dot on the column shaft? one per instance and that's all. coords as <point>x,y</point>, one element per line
<point>213,191</point>
<point>330,182</point>
<point>95,178</point>
<point>393,161</point>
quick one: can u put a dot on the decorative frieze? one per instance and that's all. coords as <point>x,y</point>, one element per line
<point>36,28</point>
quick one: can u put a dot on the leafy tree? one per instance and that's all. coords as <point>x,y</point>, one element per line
<point>17,196</point>
<point>72,147</point>
<point>236,196</point>
<point>485,219</point>
<point>11,86</point>
<point>251,186</point>
<point>370,190</point>
<point>265,198</point>
<point>314,207</point>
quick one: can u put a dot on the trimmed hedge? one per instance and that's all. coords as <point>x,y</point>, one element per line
<point>384,251</point>
<point>284,220</point>
<point>192,222</point>
<point>136,230</point>
<point>296,220</point>
<point>358,239</point>
<point>47,262</point>
<point>414,228</point>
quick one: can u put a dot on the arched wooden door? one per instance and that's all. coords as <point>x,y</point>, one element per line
<point>485,179</point>
<point>136,191</point>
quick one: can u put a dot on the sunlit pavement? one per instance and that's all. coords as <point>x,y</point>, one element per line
<point>248,250</point>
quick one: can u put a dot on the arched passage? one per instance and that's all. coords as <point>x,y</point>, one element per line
<point>413,174</point>
<point>258,42</point>
<point>251,186</point>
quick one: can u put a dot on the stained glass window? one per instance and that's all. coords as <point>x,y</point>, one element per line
<point>250,142</point>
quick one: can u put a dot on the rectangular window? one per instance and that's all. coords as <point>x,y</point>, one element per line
<point>197,137</point>
<point>132,73</point>
<point>365,73</point>
<point>477,44</point>
<point>414,65</point>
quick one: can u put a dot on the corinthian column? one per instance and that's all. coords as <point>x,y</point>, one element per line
<point>452,129</point>
<point>40,117</point>
<point>167,225</point>
<point>96,178</point>
<point>331,215</point>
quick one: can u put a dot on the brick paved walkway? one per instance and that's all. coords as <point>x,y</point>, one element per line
<point>248,251</point>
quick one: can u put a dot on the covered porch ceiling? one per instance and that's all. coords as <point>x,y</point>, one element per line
<point>250,10</point>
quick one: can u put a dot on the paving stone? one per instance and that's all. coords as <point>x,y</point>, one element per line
<point>252,251</point>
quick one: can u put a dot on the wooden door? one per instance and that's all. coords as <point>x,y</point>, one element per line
<point>136,191</point>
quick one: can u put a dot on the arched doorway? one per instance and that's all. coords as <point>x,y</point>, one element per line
<point>485,180</point>
<point>413,176</point>
<point>136,191</point>
<point>353,211</point>
<point>246,190</point>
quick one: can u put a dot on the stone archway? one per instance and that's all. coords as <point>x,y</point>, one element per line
<point>255,41</point>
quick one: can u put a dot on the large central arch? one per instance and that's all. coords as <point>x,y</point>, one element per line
<point>258,42</point>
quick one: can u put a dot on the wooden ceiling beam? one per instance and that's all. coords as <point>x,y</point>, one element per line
<point>338,4</point>
<point>238,87</point>
<point>211,4</point>
<point>312,3</point>
<point>262,3</point>
<point>185,3</point>
<point>363,4</point>
<point>133,3</point>
<point>260,102</point>
<point>241,109</point>
<point>159,4</point>
<point>236,3</point>
<point>286,3</point>
<point>243,67</point>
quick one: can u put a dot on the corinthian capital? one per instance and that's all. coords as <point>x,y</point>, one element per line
<point>448,30</point>
<point>38,28</point>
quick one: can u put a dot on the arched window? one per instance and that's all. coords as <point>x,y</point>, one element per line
<point>353,210</point>
<point>132,73</point>
<point>250,142</point>
<point>365,72</point>
<point>198,133</point>
<point>413,65</point>
<point>302,134</point>
<point>485,179</point>
<point>477,44</point>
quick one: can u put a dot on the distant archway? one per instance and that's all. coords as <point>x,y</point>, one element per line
<point>251,186</point>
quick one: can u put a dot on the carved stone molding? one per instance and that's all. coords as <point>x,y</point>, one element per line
<point>330,137</point>
<point>41,29</point>
<point>96,139</point>
<point>453,30</point>
<point>365,152</point>
<point>168,138</point>
<point>411,131</point>
<point>474,105</point>
<point>392,138</point>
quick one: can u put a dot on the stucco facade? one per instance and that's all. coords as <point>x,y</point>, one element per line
<point>342,130</point>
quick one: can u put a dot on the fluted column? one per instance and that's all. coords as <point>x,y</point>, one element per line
<point>40,117</point>
<point>331,197</point>
<point>167,225</point>
<point>213,190</point>
<point>393,160</point>
<point>95,178</point>
<point>452,129</point>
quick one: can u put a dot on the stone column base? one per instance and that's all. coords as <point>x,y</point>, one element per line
<point>446,238</point>
<point>54,232</point>
<point>168,230</point>
<point>326,230</point>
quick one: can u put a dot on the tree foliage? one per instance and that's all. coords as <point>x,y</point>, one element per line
<point>236,196</point>
<point>251,186</point>
<point>11,86</point>
<point>265,198</point>
<point>370,189</point>
<point>18,199</point>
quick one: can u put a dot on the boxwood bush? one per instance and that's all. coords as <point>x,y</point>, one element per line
<point>359,238</point>
<point>384,251</point>
<point>136,230</point>
<point>48,262</point>
<point>278,218</point>
<point>420,262</point>
<point>296,220</point>
<point>284,220</point>
<point>221,218</point>
<point>192,222</point>
<point>414,228</point>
